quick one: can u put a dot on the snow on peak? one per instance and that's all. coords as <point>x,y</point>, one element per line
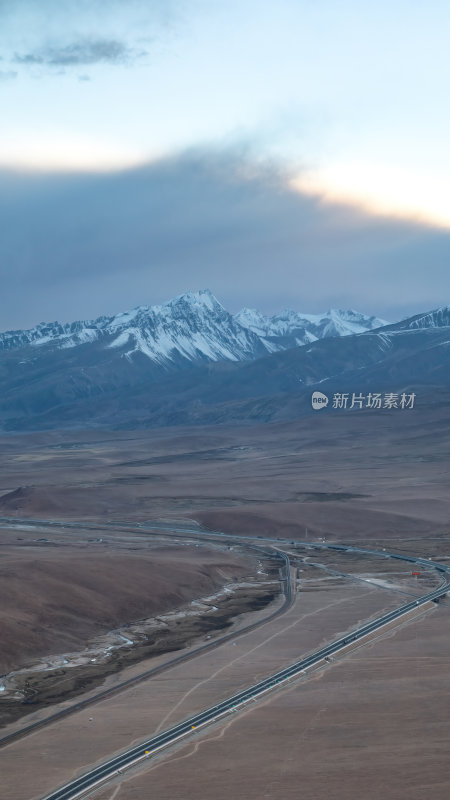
<point>438,318</point>
<point>253,320</point>
<point>296,328</point>
<point>200,300</point>
<point>193,326</point>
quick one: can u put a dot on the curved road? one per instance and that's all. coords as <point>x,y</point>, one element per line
<point>118,687</point>
<point>98,775</point>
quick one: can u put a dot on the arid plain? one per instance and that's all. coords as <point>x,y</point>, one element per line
<point>369,479</point>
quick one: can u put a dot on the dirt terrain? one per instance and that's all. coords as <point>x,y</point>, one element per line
<point>55,597</point>
<point>378,482</point>
<point>89,735</point>
<point>353,477</point>
<point>374,726</point>
<point>76,612</point>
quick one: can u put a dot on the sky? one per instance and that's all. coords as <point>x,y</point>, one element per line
<point>281,154</point>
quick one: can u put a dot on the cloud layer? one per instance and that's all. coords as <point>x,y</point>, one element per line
<point>83,52</point>
<point>81,32</point>
<point>75,246</point>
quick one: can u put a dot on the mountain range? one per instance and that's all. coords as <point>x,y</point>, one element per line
<point>193,326</point>
<point>191,361</point>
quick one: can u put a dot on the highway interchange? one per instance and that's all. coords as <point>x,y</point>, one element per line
<point>114,766</point>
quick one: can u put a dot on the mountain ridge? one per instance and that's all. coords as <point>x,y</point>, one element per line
<point>189,324</point>
<point>218,372</point>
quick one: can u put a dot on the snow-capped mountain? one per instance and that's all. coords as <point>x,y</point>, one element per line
<point>438,318</point>
<point>192,326</point>
<point>189,361</point>
<point>291,328</point>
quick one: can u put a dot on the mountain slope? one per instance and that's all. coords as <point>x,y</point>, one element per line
<point>193,327</point>
<point>291,329</point>
<point>438,318</point>
<point>99,384</point>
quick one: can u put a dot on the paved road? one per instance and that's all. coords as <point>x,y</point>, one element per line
<point>114,766</point>
<point>143,527</point>
<point>118,687</point>
<point>78,787</point>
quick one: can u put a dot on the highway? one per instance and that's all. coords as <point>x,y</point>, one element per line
<point>212,645</point>
<point>78,787</point>
<point>114,766</point>
<point>143,528</point>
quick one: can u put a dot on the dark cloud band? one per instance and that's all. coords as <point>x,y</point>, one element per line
<point>81,53</point>
<point>75,246</point>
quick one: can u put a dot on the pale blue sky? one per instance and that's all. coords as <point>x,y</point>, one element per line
<point>348,98</point>
<point>337,88</point>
